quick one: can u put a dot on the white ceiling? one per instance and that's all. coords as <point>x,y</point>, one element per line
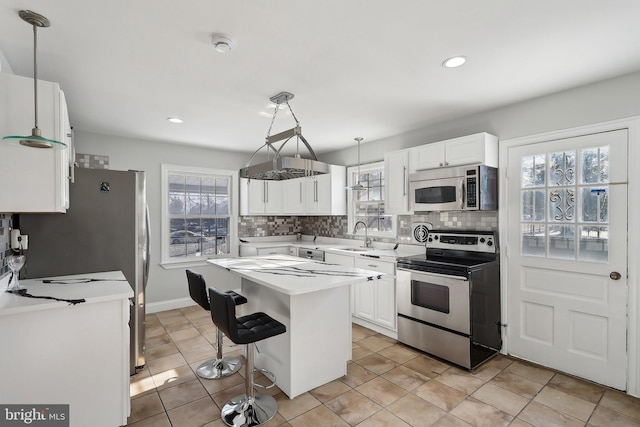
<point>369,68</point>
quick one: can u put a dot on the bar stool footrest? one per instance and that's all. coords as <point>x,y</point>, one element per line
<point>270,376</point>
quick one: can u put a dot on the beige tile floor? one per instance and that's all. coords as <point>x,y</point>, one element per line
<point>387,384</point>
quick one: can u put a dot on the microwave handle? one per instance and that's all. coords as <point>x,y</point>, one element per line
<point>462,194</point>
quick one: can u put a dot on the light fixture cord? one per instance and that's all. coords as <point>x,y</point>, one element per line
<point>35,74</point>
<point>273,119</point>
<point>293,114</point>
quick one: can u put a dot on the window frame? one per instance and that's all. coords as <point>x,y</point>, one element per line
<point>167,169</point>
<point>369,167</point>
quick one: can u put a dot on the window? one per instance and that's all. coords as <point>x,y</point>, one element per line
<point>198,213</point>
<point>368,205</point>
<point>565,205</point>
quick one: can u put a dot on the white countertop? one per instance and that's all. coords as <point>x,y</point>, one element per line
<point>383,251</point>
<point>292,275</point>
<point>110,285</point>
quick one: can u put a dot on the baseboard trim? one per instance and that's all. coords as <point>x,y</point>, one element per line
<point>155,307</point>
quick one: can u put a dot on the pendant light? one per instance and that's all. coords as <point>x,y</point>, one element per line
<point>35,140</point>
<point>358,186</point>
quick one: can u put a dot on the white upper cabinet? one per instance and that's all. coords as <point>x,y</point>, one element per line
<point>479,148</point>
<point>258,197</point>
<point>396,176</point>
<point>331,193</point>
<point>293,196</point>
<point>36,180</point>
<point>318,195</point>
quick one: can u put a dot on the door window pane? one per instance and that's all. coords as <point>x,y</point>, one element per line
<point>562,241</point>
<point>595,165</point>
<point>595,204</point>
<point>533,171</point>
<point>562,204</point>
<point>534,239</point>
<point>572,202</point>
<point>533,205</point>
<point>594,243</point>
<point>562,168</point>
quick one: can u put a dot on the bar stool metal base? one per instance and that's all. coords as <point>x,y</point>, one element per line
<point>243,411</point>
<point>219,368</point>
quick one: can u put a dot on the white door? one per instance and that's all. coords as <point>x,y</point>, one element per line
<point>567,255</point>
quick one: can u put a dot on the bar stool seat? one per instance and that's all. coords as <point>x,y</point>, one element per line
<point>251,408</point>
<point>221,366</point>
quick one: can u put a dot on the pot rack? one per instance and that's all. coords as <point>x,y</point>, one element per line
<point>283,167</point>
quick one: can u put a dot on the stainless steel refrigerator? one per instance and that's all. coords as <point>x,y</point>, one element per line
<point>105,228</point>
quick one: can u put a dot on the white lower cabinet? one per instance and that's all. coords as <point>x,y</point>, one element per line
<point>375,301</point>
<point>273,251</point>
<point>39,178</point>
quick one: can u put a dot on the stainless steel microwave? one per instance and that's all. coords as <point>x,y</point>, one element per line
<point>463,188</point>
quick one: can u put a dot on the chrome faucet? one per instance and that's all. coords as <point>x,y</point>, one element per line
<point>367,240</point>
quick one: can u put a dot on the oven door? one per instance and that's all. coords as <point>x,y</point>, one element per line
<point>437,299</point>
<point>444,194</point>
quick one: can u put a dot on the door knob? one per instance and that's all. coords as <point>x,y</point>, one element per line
<point>615,275</point>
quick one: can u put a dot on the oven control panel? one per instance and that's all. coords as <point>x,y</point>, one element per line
<point>476,241</point>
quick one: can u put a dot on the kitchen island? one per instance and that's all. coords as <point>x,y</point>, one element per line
<point>57,352</point>
<point>313,300</point>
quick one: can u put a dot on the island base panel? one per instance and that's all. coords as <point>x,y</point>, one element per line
<point>317,345</point>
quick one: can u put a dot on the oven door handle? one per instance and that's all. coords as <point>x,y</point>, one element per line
<point>445,276</point>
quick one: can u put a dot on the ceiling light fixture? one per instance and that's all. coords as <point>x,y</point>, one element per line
<point>358,186</point>
<point>222,43</point>
<point>454,61</point>
<point>177,120</point>
<point>35,140</point>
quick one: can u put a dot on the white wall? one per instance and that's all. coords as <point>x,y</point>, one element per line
<point>164,285</point>
<point>603,101</point>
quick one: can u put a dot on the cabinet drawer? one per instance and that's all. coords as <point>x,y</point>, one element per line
<point>375,265</point>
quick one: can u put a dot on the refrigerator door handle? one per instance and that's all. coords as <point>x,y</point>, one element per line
<point>147,250</point>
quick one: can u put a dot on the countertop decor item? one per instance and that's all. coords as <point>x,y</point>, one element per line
<point>15,263</point>
<point>35,140</point>
<point>283,167</point>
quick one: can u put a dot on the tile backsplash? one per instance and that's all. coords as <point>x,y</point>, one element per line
<point>337,226</point>
<point>5,251</point>
<point>92,161</point>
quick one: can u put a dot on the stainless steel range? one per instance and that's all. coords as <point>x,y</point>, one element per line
<point>449,298</point>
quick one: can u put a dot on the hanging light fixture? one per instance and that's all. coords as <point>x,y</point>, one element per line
<point>282,167</point>
<point>35,140</point>
<point>357,186</point>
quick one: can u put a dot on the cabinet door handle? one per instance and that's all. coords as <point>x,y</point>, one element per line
<point>441,164</point>
<point>404,180</point>
<point>300,191</point>
<point>315,191</point>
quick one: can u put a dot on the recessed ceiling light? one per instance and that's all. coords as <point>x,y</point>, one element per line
<point>175,120</point>
<point>454,61</point>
